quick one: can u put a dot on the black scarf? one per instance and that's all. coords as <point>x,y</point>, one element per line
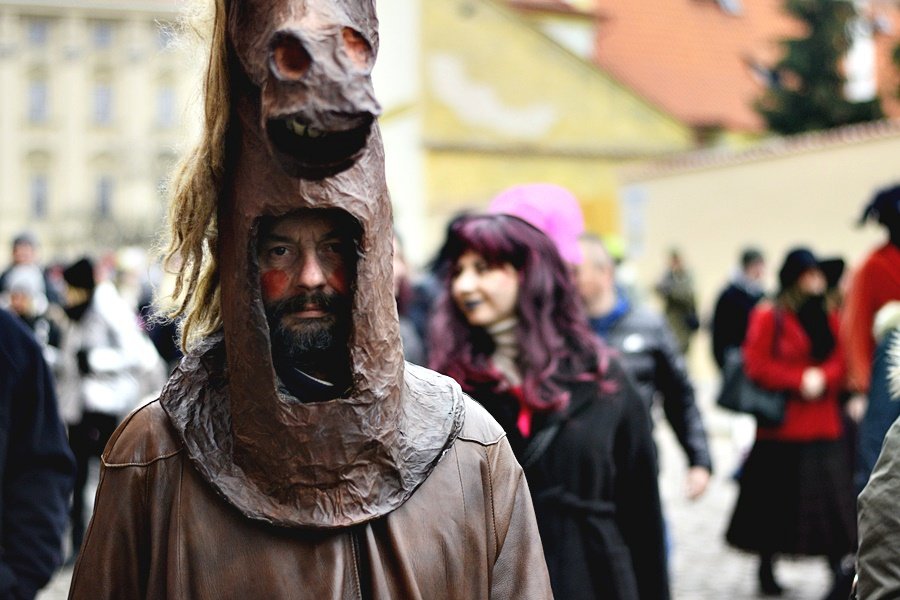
<point>813,317</point>
<point>304,386</point>
<point>77,311</point>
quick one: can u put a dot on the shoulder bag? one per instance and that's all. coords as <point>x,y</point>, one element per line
<point>740,394</point>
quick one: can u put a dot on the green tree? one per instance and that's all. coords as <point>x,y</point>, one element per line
<point>808,89</point>
<point>895,57</point>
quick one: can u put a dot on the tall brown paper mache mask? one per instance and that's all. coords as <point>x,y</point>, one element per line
<point>303,135</point>
<point>309,64</point>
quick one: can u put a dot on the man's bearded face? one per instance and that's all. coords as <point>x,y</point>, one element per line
<point>307,263</point>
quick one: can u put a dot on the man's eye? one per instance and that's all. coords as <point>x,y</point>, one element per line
<point>333,247</point>
<point>278,251</point>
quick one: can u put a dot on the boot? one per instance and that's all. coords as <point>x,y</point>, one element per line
<point>767,584</point>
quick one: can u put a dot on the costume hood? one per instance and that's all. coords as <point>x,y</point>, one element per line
<point>302,135</point>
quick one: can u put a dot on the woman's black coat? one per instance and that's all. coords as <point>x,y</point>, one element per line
<point>595,490</point>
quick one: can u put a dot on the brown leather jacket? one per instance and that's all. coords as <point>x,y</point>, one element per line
<point>160,531</point>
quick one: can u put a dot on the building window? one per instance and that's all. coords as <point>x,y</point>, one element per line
<point>102,33</point>
<point>103,99</point>
<point>38,193</point>
<point>37,101</point>
<point>38,32</point>
<point>165,107</point>
<point>104,197</point>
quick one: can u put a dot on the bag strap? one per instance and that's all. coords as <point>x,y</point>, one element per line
<point>539,444</point>
<point>776,334</point>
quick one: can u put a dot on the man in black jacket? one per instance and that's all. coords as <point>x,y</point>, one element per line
<point>649,353</point>
<point>732,313</point>
<point>36,466</point>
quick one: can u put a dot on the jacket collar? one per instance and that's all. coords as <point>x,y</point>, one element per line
<point>342,462</point>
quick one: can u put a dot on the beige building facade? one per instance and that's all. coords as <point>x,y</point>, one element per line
<point>93,114</point>
<point>801,190</point>
<point>479,96</point>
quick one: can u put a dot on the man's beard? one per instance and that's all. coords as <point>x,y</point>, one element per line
<point>306,341</point>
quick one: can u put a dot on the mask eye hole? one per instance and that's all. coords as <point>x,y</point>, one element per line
<point>289,59</point>
<point>358,49</point>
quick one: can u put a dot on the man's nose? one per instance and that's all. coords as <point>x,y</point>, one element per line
<point>311,274</point>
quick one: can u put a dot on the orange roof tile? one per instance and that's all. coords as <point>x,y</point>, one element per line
<point>691,57</point>
<point>694,59</point>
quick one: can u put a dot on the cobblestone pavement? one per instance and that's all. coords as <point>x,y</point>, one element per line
<point>703,566</point>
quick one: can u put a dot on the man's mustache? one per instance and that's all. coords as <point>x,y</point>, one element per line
<point>316,300</point>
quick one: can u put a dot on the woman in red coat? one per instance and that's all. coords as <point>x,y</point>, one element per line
<point>796,494</point>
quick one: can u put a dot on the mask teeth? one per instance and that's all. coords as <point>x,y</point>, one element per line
<point>299,128</point>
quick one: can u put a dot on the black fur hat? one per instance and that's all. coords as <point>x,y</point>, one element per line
<point>80,274</point>
<point>884,207</point>
<point>797,261</point>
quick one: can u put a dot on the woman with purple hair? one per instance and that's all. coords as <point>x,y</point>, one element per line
<point>510,330</point>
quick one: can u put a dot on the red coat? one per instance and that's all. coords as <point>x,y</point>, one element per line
<point>783,370</point>
<point>875,283</point>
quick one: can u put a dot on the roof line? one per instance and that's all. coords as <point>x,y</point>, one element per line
<point>563,8</point>
<point>550,151</point>
<point>768,149</point>
<point>112,6</point>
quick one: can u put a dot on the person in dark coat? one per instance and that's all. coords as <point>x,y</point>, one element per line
<point>796,493</point>
<point>676,289</point>
<point>884,402</point>
<point>509,328</point>
<point>36,466</point>
<point>732,312</point>
<point>649,354</point>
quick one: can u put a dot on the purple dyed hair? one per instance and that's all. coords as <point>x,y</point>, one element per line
<point>555,343</point>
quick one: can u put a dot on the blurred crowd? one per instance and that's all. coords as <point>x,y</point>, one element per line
<point>91,322</point>
<point>488,315</point>
<point>529,313</point>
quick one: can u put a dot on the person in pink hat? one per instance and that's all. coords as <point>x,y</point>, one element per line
<point>551,208</point>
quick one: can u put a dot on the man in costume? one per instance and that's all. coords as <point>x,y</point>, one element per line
<point>293,454</point>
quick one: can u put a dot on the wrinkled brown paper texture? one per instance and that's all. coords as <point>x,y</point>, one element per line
<point>305,78</point>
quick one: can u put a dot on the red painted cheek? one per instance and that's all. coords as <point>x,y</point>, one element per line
<point>274,284</point>
<point>338,281</point>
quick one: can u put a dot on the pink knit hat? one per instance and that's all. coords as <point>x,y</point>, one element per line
<point>551,208</point>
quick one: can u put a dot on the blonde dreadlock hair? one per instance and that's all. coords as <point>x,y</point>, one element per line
<point>191,247</point>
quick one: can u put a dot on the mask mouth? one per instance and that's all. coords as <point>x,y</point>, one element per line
<point>316,148</point>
